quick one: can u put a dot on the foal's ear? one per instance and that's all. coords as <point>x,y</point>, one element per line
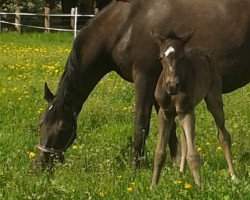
<point>48,95</point>
<point>158,38</point>
<point>187,36</point>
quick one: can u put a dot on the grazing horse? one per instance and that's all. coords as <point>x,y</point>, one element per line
<point>119,39</point>
<point>188,76</point>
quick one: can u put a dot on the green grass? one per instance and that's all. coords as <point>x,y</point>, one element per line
<point>99,165</point>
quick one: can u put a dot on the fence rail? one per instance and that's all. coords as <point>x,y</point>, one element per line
<point>74,18</point>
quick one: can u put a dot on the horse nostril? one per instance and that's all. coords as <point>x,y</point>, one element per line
<point>177,86</point>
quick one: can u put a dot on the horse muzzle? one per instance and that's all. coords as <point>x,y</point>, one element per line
<point>46,160</point>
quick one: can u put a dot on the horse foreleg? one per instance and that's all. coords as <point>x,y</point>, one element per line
<point>215,107</point>
<point>164,126</point>
<point>173,143</point>
<point>143,109</point>
<point>187,122</point>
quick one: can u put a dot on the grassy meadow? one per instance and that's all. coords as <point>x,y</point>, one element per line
<point>98,164</point>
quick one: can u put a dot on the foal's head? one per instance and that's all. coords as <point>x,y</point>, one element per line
<point>172,55</point>
<point>57,129</point>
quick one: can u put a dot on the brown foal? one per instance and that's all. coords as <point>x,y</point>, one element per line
<point>187,77</point>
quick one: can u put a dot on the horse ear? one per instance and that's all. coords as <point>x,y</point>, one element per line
<point>187,36</point>
<point>158,38</point>
<point>48,95</point>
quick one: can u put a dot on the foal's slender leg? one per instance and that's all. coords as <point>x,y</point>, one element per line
<point>187,122</point>
<point>183,151</point>
<point>215,106</point>
<point>173,143</point>
<point>164,125</point>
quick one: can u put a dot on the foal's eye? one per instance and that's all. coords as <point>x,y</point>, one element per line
<point>160,56</point>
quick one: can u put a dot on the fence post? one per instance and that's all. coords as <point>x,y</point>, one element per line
<point>72,17</point>
<point>17,19</point>
<point>75,22</point>
<point>0,20</point>
<point>47,19</point>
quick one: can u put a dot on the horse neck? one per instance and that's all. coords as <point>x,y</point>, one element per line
<point>90,59</point>
<point>79,78</point>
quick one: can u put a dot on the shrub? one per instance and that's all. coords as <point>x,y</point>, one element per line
<point>27,5</point>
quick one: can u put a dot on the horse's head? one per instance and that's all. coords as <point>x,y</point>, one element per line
<point>172,54</point>
<point>57,130</point>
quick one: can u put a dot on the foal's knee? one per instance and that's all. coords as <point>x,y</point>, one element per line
<point>193,161</point>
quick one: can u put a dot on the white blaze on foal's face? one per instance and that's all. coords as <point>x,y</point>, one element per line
<point>167,52</point>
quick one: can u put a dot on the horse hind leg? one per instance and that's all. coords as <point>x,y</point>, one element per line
<point>215,106</point>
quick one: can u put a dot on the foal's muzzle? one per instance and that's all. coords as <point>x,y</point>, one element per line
<point>172,88</point>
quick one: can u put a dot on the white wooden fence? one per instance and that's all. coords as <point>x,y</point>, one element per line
<point>17,23</point>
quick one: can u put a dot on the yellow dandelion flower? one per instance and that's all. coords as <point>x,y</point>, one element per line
<point>187,185</point>
<point>119,176</point>
<point>14,89</point>
<point>207,143</point>
<point>129,189</point>
<point>40,110</point>
<point>74,146</point>
<point>125,108</point>
<point>177,182</point>
<point>219,148</point>
<point>31,154</point>
<point>101,194</point>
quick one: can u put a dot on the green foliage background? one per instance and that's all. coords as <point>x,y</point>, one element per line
<point>26,5</point>
<point>38,5</point>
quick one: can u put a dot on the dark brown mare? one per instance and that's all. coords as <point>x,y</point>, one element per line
<point>119,39</point>
<point>188,76</point>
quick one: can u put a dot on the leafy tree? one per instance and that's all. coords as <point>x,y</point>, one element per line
<point>27,5</point>
<point>38,5</point>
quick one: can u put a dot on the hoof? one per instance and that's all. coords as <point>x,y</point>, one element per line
<point>152,186</point>
<point>234,178</point>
